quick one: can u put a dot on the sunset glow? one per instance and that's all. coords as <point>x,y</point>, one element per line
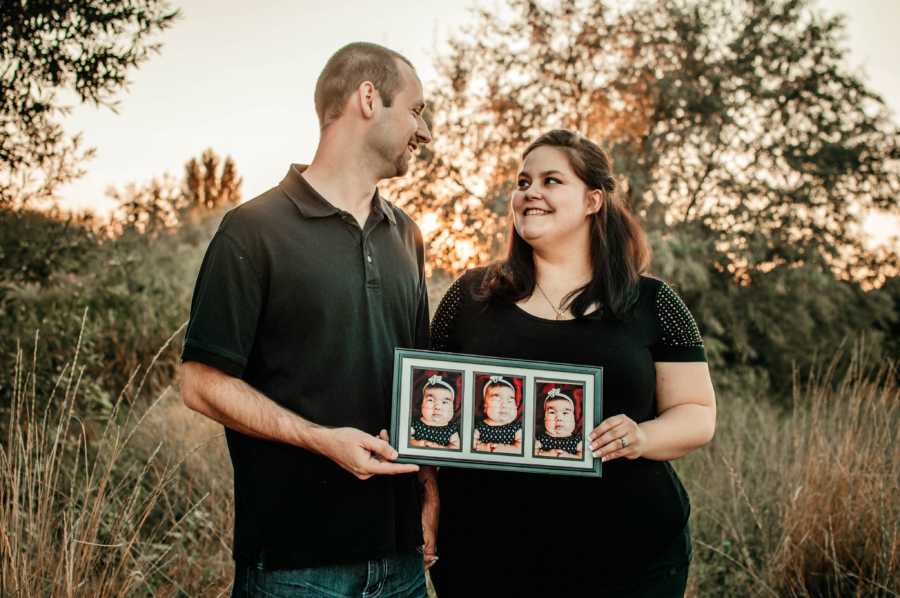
<point>428,224</point>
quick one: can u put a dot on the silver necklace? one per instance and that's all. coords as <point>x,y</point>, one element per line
<point>558,310</point>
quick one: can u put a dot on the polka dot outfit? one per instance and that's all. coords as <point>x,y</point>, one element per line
<point>437,434</point>
<point>568,444</point>
<point>446,312</point>
<point>678,326</point>
<point>505,434</point>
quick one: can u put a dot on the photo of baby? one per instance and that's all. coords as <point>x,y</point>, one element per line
<point>558,426</point>
<point>498,414</point>
<point>434,417</point>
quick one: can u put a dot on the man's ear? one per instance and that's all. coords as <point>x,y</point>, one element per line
<point>367,96</point>
<point>594,201</point>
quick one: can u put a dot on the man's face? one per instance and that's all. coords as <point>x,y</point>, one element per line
<point>437,407</point>
<point>559,418</point>
<point>400,128</point>
<point>499,405</point>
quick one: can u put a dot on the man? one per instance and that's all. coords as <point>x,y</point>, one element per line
<point>302,297</point>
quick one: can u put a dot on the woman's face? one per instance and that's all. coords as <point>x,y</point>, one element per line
<point>437,407</point>
<point>550,203</point>
<point>559,418</point>
<point>499,405</point>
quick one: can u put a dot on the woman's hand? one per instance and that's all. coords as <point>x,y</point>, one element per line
<point>618,436</point>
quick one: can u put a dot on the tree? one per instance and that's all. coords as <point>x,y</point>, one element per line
<point>48,47</point>
<point>150,208</point>
<point>736,120</point>
<point>205,187</point>
<point>163,203</point>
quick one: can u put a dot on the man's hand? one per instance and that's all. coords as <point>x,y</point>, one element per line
<point>361,454</point>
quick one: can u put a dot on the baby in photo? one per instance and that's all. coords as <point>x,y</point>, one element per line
<point>499,430</point>
<point>435,423</point>
<point>560,418</point>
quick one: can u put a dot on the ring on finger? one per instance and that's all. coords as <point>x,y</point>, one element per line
<point>624,442</point>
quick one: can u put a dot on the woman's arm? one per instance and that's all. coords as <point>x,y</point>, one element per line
<point>686,420</point>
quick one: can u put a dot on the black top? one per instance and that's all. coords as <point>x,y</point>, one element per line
<point>505,434</point>
<point>298,301</point>
<point>437,434</point>
<point>567,443</point>
<point>618,522</point>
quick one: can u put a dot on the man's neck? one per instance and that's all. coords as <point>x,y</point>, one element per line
<point>345,181</point>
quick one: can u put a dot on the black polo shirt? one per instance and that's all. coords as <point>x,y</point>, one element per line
<point>297,300</point>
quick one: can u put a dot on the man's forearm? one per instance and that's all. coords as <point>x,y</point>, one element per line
<point>237,405</point>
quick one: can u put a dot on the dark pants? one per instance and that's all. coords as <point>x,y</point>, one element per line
<point>394,577</point>
<point>668,581</point>
<point>664,577</point>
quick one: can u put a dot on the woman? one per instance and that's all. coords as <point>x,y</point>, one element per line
<point>572,289</point>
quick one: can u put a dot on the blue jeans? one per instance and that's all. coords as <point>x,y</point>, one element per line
<point>400,576</point>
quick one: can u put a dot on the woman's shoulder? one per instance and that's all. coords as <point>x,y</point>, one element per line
<point>473,277</point>
<point>650,283</point>
<point>658,292</point>
<point>647,290</point>
<point>457,301</point>
<point>654,289</point>
<point>467,284</point>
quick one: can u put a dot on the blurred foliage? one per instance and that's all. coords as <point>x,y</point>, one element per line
<point>133,276</point>
<point>699,106</point>
<point>740,138</point>
<point>209,183</point>
<point>136,291</point>
<point>739,115</point>
<point>48,47</point>
<point>760,335</point>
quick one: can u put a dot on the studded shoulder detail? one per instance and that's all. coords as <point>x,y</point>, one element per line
<point>676,324</point>
<point>445,316</point>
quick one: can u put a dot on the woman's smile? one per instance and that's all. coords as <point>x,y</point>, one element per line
<point>536,212</point>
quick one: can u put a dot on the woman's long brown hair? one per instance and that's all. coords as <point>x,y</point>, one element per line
<point>619,249</point>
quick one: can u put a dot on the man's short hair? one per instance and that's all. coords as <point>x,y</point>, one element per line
<point>348,68</point>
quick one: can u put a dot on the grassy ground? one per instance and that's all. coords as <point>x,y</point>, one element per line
<point>787,502</point>
<point>801,502</point>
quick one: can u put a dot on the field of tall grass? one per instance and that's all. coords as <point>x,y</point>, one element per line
<point>796,501</point>
<point>802,501</point>
<point>136,502</point>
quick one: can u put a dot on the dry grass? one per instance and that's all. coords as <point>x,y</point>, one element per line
<point>802,503</point>
<point>105,508</point>
<point>799,503</point>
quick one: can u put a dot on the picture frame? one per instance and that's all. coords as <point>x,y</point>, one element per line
<point>458,410</point>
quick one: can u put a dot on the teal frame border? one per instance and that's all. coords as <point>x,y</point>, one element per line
<point>482,361</point>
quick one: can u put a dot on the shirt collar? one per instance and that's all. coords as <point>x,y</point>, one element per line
<point>311,203</point>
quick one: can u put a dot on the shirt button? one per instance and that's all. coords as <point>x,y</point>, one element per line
<point>369,257</point>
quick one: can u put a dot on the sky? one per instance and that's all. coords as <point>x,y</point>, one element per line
<point>239,76</point>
